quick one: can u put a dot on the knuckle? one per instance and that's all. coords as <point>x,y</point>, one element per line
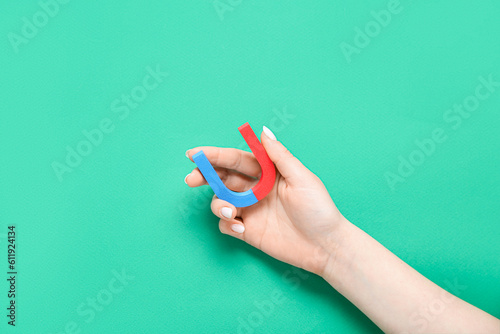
<point>283,158</point>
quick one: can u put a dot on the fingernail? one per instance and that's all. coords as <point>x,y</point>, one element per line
<point>238,228</point>
<point>268,133</point>
<point>187,155</point>
<point>186,178</point>
<point>226,212</point>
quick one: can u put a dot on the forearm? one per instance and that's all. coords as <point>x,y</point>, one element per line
<point>391,293</point>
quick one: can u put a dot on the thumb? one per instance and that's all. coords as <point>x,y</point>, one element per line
<point>289,166</point>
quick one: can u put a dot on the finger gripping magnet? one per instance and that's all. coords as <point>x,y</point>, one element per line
<point>251,196</point>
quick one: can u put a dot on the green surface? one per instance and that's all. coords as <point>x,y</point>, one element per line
<point>348,117</point>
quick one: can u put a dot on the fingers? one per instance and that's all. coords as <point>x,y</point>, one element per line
<point>289,166</point>
<point>231,158</point>
<point>223,209</point>
<point>229,223</point>
<point>232,180</point>
<point>234,228</point>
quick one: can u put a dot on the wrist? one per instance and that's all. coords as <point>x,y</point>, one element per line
<point>322,256</point>
<point>334,247</point>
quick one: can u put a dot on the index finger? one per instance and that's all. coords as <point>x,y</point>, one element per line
<point>231,158</point>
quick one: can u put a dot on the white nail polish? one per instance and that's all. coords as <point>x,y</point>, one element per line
<point>268,133</point>
<point>238,228</point>
<point>186,178</point>
<point>226,212</point>
<point>187,155</point>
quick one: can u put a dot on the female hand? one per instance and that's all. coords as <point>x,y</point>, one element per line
<point>291,222</point>
<point>298,223</point>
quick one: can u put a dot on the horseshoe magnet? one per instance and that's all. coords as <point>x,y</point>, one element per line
<point>251,196</point>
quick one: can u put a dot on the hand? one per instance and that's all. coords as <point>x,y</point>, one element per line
<point>291,222</point>
<point>298,223</point>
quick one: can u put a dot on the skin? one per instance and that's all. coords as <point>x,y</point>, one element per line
<point>298,223</point>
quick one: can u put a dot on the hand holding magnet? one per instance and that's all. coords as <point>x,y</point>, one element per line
<point>251,196</point>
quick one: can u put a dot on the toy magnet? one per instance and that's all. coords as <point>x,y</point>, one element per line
<point>251,196</point>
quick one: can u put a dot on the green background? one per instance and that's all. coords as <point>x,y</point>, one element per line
<point>126,207</point>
